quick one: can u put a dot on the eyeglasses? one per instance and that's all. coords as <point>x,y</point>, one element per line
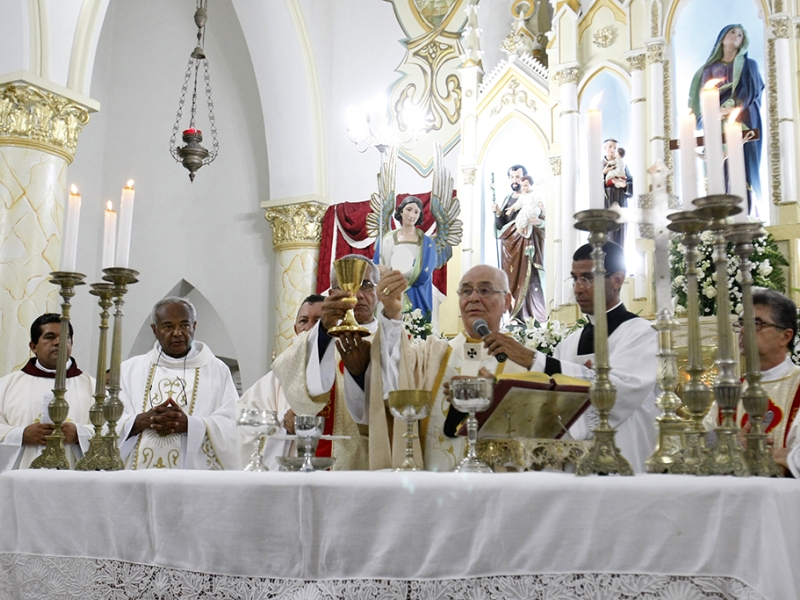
<point>759,325</point>
<point>483,292</point>
<point>583,282</point>
<point>366,286</point>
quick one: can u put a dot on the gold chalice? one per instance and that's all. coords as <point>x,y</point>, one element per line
<point>409,405</point>
<point>349,274</point>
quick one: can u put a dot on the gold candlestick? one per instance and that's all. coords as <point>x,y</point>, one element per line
<point>697,396</point>
<point>755,399</point>
<point>603,456</point>
<point>727,457</point>
<point>54,456</point>
<point>93,460</point>
<point>112,410</point>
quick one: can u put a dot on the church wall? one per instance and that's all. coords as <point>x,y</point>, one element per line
<point>14,55</point>
<point>211,232</point>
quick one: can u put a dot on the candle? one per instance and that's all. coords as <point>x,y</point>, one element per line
<point>596,181</point>
<point>109,236</point>
<point>69,243</point>
<point>688,144</point>
<point>125,226</point>
<point>709,105</point>
<point>736,169</point>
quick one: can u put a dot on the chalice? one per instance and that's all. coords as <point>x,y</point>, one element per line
<point>409,405</point>
<point>349,274</point>
<point>308,428</point>
<point>473,395</point>
<point>259,423</point>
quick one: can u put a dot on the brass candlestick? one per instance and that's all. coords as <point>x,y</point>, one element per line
<point>697,396</point>
<point>93,460</point>
<point>671,427</point>
<point>603,456</point>
<point>755,399</point>
<point>54,456</point>
<point>727,457</point>
<point>113,408</point>
<point>349,275</point>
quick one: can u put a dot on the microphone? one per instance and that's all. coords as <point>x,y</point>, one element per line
<point>481,327</point>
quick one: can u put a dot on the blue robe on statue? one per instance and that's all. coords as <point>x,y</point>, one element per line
<point>418,270</point>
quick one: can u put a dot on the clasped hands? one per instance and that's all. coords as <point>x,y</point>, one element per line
<point>164,419</point>
<point>36,434</point>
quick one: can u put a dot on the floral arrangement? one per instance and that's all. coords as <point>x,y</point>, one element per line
<point>766,259</point>
<point>543,337</point>
<point>418,325</point>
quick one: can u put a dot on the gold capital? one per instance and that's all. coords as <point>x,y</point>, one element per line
<point>296,225</point>
<point>568,75</point>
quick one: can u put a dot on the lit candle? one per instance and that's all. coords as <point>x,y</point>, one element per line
<point>125,226</point>
<point>596,181</point>
<point>109,236</point>
<point>69,243</point>
<point>709,105</point>
<point>688,145</point>
<point>736,169</point>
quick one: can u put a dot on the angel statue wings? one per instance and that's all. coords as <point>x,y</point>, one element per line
<point>406,247</point>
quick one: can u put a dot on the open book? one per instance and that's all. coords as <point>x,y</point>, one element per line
<point>533,405</point>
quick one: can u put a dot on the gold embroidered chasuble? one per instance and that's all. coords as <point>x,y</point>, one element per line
<point>202,386</point>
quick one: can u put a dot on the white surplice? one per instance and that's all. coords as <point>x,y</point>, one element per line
<point>22,403</point>
<point>202,385</point>
<point>266,394</point>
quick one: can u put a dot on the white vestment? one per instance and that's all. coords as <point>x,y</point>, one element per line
<point>202,385</point>
<point>266,394</point>
<point>632,349</point>
<point>793,442</point>
<point>22,403</point>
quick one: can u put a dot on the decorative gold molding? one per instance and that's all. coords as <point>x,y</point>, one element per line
<point>797,29</point>
<point>774,130</point>
<point>469,174</point>
<point>668,155</point>
<point>34,118</point>
<point>637,62</point>
<point>555,164</point>
<point>654,19</point>
<point>296,225</point>
<point>777,6</point>
<point>568,75</point>
<point>568,112</point>
<point>780,27</point>
<point>637,100</point>
<point>655,52</point>
<point>513,96</point>
<point>604,37</point>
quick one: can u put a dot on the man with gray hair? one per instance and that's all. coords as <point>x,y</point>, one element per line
<point>179,399</point>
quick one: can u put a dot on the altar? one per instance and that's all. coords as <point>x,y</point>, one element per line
<point>186,534</point>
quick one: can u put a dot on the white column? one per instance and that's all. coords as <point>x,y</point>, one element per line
<point>638,137</point>
<point>556,269</point>
<point>786,103</point>
<point>655,68</point>
<point>467,191</point>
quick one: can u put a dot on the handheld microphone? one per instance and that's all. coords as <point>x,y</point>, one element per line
<point>481,327</point>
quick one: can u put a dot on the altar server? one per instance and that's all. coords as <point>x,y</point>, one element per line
<point>25,394</point>
<point>180,400</point>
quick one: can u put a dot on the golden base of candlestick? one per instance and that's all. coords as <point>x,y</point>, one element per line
<point>54,456</point>
<point>603,456</point>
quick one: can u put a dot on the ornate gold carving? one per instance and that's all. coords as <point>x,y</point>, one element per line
<point>468,93</point>
<point>469,175</point>
<point>604,37</point>
<point>514,96</point>
<point>780,27</point>
<point>637,62</point>
<point>777,6</point>
<point>568,75</point>
<point>32,117</point>
<point>555,164</point>
<point>655,52</point>
<point>774,130</point>
<point>654,19</point>
<point>296,225</point>
<point>668,154</point>
<point>524,454</point>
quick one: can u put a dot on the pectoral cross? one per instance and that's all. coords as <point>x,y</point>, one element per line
<point>472,353</point>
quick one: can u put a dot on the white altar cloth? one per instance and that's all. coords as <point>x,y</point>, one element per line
<point>409,527</point>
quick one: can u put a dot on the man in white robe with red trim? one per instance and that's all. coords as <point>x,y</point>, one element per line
<point>25,394</point>
<point>179,399</point>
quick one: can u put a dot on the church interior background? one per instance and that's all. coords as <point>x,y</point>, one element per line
<point>498,82</point>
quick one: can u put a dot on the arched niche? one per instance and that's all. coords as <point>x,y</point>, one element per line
<point>211,330</point>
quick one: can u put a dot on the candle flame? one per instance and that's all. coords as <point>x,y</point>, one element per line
<point>712,83</point>
<point>73,189</point>
<point>109,206</point>
<point>734,115</point>
<point>595,103</point>
<point>129,184</point>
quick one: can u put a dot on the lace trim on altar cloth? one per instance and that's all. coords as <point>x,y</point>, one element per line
<point>34,577</point>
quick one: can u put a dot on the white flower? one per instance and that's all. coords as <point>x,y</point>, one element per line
<point>764,269</point>
<point>679,280</point>
<point>710,292</point>
<point>739,309</point>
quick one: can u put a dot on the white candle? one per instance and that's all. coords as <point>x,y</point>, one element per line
<point>596,182</point>
<point>709,105</point>
<point>125,226</point>
<point>688,145</point>
<point>109,236</point>
<point>69,243</point>
<point>736,169</point>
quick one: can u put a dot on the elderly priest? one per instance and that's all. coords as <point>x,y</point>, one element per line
<point>25,394</point>
<point>180,400</point>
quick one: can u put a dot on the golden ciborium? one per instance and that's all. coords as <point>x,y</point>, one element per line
<point>410,406</point>
<point>349,275</point>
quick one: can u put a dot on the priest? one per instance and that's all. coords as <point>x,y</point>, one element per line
<point>180,400</point>
<point>25,395</point>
